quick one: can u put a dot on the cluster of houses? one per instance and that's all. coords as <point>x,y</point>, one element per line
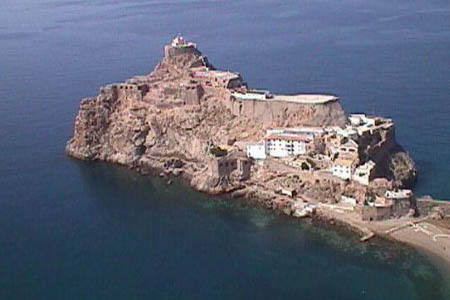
<point>337,151</point>
<point>338,145</point>
<point>394,203</point>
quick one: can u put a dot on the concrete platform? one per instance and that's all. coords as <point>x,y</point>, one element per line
<point>305,98</point>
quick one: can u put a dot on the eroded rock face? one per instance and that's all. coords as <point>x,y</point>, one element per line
<point>165,120</point>
<point>392,162</point>
<point>402,169</point>
<point>287,114</point>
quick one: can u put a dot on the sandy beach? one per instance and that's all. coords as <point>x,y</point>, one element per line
<point>428,235</point>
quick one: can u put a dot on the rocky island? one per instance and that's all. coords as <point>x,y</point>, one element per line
<point>297,154</point>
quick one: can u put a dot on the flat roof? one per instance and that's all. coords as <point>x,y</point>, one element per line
<point>217,73</point>
<point>344,162</point>
<point>305,98</point>
<point>298,137</point>
<point>299,128</point>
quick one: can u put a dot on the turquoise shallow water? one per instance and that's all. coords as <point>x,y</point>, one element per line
<point>80,230</point>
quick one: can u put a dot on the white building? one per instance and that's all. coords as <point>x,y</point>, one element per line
<point>180,42</point>
<point>343,168</point>
<point>363,123</point>
<point>348,132</point>
<point>279,145</point>
<point>257,151</point>
<point>398,194</point>
<point>253,95</point>
<point>363,119</point>
<point>364,173</point>
<point>348,200</point>
<point>284,142</point>
<point>357,119</point>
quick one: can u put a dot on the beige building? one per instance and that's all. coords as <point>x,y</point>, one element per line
<point>350,150</point>
<point>344,167</point>
<point>365,173</point>
<point>231,165</point>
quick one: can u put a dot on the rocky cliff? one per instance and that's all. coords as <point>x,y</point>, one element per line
<point>167,121</point>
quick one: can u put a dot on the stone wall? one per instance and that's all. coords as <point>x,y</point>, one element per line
<point>224,167</point>
<point>192,94</point>
<point>288,113</point>
<point>130,91</point>
<point>373,213</point>
<point>401,207</point>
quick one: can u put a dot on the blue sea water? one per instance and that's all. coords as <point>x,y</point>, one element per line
<point>77,230</point>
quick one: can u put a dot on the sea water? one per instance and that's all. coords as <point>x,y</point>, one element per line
<point>79,230</point>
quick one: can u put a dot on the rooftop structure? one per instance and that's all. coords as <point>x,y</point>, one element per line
<point>299,99</point>
<point>282,137</point>
<point>180,42</point>
<point>297,130</point>
<point>348,132</point>
<point>363,123</point>
<point>345,162</point>
<point>219,78</point>
<point>253,95</point>
<point>306,98</point>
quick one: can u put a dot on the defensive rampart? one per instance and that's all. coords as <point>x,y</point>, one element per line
<point>289,113</point>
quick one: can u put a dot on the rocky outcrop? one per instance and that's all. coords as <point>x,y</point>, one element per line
<point>288,114</point>
<point>392,162</point>
<point>166,121</point>
<point>400,168</point>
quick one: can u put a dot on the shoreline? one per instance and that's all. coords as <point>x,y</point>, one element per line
<point>439,253</point>
<point>441,259</point>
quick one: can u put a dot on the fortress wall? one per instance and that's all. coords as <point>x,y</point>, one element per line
<point>288,113</point>
<point>224,166</point>
<point>129,91</point>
